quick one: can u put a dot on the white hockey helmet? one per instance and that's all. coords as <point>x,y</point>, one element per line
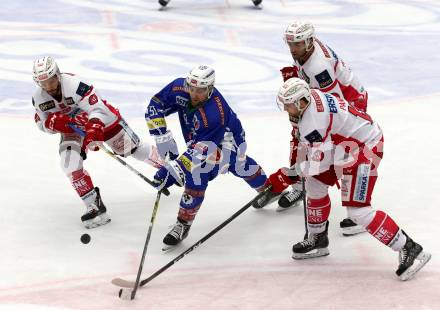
<point>299,31</point>
<point>44,69</point>
<point>201,76</point>
<point>291,92</point>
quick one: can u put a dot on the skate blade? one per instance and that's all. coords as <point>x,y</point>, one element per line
<point>422,259</point>
<point>354,230</point>
<point>312,254</point>
<point>100,220</point>
<point>169,248</point>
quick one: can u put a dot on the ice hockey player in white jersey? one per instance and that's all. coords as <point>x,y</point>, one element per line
<point>338,141</point>
<point>318,65</point>
<point>61,101</point>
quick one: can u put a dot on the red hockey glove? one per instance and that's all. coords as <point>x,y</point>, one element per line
<point>280,180</point>
<point>289,72</point>
<point>94,134</point>
<point>58,122</point>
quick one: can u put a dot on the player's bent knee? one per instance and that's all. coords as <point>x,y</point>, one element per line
<point>315,189</point>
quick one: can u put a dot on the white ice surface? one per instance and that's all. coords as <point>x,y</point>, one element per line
<point>247,265</point>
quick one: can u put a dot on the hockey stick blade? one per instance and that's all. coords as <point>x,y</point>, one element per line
<point>123,283</point>
<point>127,284</point>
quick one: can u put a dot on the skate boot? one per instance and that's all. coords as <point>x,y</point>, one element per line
<point>411,259</point>
<point>350,228</point>
<point>315,245</point>
<point>176,235</point>
<point>266,199</point>
<point>96,214</point>
<point>289,199</point>
<point>257,2</point>
<point>163,3</point>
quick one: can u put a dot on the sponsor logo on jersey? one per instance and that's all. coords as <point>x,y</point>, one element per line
<point>331,103</point>
<point>324,79</point>
<point>362,180</point>
<point>318,102</point>
<point>156,123</point>
<point>178,88</point>
<point>314,136</point>
<point>220,109</point>
<point>82,89</point>
<point>186,162</point>
<point>204,118</point>
<point>182,101</point>
<point>47,105</point>
<point>69,100</point>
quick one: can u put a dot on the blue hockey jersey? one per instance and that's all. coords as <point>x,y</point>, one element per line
<point>214,121</point>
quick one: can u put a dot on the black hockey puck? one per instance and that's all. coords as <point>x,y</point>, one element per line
<point>85,238</point>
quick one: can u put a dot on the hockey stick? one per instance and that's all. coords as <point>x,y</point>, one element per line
<point>80,132</point>
<point>128,284</point>
<point>305,207</point>
<point>144,252</point>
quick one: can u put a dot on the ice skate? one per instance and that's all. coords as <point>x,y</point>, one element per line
<point>96,214</point>
<point>176,235</point>
<point>289,199</point>
<point>315,245</point>
<point>411,259</point>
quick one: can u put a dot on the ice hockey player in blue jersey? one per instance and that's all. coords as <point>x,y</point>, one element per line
<point>215,143</point>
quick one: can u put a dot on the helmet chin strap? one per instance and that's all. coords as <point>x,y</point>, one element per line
<point>301,110</point>
<point>309,44</point>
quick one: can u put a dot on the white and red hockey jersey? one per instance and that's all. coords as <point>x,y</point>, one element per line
<point>333,133</point>
<point>79,100</point>
<point>325,71</point>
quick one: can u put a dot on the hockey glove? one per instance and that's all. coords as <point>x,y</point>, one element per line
<point>167,145</point>
<point>58,122</point>
<point>168,175</point>
<point>289,72</point>
<point>281,179</point>
<point>94,134</point>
